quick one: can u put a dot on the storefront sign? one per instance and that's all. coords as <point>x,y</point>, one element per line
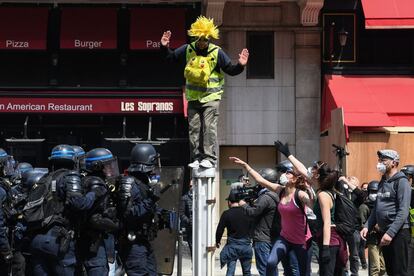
<point>92,105</point>
<point>88,28</point>
<point>23,28</point>
<point>148,24</point>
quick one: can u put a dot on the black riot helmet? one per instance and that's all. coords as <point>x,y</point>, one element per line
<point>62,156</point>
<point>7,164</point>
<point>24,167</point>
<point>269,174</point>
<point>144,158</point>
<point>373,186</point>
<point>79,156</point>
<point>31,178</point>
<point>79,151</point>
<point>3,155</point>
<point>408,170</point>
<point>284,166</point>
<point>101,160</point>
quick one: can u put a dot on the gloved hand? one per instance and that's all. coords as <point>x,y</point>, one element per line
<point>110,212</point>
<point>99,191</point>
<point>7,256</point>
<point>325,254</point>
<point>283,148</point>
<point>126,187</point>
<point>154,194</point>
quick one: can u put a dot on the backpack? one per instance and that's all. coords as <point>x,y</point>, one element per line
<point>411,209</point>
<point>346,214</point>
<point>43,207</point>
<point>199,68</point>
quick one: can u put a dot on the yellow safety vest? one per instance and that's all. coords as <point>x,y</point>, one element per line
<point>215,85</point>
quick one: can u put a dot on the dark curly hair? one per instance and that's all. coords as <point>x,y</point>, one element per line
<point>329,180</point>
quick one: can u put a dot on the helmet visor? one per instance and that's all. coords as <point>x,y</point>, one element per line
<point>110,168</point>
<point>9,166</point>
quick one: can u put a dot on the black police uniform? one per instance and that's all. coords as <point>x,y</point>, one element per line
<point>138,210</point>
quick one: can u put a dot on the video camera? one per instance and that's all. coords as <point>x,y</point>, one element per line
<point>248,194</point>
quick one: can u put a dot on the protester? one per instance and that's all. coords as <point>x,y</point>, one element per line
<point>376,266</point>
<point>391,213</point>
<point>238,246</point>
<point>266,221</point>
<point>408,170</point>
<point>362,243</point>
<point>295,235</point>
<point>332,249</point>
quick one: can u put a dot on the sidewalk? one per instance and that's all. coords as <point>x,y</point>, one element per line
<point>187,267</point>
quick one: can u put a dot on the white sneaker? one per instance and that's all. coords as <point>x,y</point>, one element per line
<point>206,164</point>
<point>194,165</point>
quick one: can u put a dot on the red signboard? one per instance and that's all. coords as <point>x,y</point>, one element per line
<point>148,24</point>
<point>92,105</point>
<point>23,28</point>
<point>88,28</point>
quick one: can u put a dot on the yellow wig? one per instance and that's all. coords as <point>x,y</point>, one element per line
<point>204,27</point>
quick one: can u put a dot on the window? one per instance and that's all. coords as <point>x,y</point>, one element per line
<point>261,59</point>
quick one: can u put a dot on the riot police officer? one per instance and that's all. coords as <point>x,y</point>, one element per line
<point>96,244</point>
<point>53,246</point>
<point>6,254</point>
<point>137,206</point>
<point>21,257</point>
<point>21,168</point>
<point>79,157</point>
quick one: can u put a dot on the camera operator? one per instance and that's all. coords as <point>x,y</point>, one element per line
<point>266,220</point>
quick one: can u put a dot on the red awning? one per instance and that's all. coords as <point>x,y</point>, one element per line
<point>388,14</point>
<point>148,24</point>
<point>23,28</point>
<point>369,101</point>
<point>88,28</point>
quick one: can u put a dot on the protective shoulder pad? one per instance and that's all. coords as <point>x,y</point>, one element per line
<point>3,195</point>
<point>72,182</point>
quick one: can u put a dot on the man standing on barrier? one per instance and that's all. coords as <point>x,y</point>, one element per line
<point>205,64</point>
<point>138,209</point>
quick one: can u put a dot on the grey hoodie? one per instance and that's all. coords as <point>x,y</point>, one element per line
<point>391,209</point>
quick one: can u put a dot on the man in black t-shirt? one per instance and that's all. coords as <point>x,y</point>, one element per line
<point>239,228</point>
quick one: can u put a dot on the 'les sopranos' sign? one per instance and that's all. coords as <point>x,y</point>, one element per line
<point>91,105</point>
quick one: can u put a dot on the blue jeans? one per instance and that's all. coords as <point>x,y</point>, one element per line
<point>296,253</point>
<point>261,253</point>
<point>245,264</point>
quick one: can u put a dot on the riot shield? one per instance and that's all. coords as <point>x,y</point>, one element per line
<point>171,183</point>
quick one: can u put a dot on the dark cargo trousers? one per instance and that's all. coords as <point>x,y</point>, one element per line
<point>202,128</point>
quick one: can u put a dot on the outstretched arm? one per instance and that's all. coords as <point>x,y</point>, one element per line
<point>259,179</point>
<point>299,166</point>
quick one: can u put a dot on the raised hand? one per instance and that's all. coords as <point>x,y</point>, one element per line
<point>165,39</point>
<point>237,160</point>
<point>283,148</point>
<point>244,57</point>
